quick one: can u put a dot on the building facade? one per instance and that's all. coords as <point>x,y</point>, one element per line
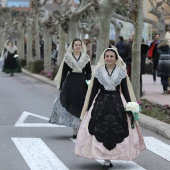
<point>3,3</point>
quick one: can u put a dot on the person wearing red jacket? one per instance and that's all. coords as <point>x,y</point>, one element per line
<point>155,55</point>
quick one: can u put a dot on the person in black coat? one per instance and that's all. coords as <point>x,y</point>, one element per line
<point>144,50</point>
<point>122,48</point>
<point>164,64</point>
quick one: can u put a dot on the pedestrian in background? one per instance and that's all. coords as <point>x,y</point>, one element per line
<point>10,57</point>
<point>122,48</point>
<point>94,50</point>
<point>154,55</point>
<point>105,131</point>
<point>128,59</point>
<point>88,45</point>
<point>144,50</point>
<point>111,43</point>
<point>164,64</point>
<point>71,78</point>
<point>41,47</point>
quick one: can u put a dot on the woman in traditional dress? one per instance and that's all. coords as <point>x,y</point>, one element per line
<point>9,54</point>
<point>71,81</point>
<point>106,132</point>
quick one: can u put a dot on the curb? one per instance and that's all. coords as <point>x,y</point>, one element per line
<point>38,77</point>
<point>155,125</point>
<point>147,122</point>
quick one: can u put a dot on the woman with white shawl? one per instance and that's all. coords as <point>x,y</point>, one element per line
<point>106,132</point>
<point>10,57</point>
<point>71,79</point>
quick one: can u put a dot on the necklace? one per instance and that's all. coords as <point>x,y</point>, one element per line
<point>110,70</point>
<point>77,56</point>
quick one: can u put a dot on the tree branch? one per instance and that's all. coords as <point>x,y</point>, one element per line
<point>122,18</point>
<point>147,20</point>
<point>45,1</point>
<point>80,11</point>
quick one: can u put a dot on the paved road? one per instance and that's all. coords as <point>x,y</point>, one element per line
<point>27,141</point>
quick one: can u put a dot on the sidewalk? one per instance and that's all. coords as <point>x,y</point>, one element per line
<point>152,93</point>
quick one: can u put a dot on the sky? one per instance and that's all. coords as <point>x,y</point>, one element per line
<point>21,3</point>
<point>18,3</point>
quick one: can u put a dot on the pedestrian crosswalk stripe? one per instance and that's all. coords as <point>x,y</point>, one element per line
<point>158,147</point>
<point>21,121</point>
<point>37,155</point>
<point>120,165</point>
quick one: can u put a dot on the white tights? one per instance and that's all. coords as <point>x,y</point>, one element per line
<point>107,162</point>
<point>75,131</point>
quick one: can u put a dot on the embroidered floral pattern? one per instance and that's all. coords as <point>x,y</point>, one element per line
<point>61,117</point>
<point>108,122</point>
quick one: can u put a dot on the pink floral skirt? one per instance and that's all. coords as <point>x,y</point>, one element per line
<point>87,145</point>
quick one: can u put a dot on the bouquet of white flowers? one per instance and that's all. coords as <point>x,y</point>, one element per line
<point>132,106</point>
<point>132,109</point>
<point>16,56</point>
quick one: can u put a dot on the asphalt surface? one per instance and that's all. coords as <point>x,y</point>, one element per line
<point>152,92</point>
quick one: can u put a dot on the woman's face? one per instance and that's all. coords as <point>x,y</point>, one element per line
<point>110,58</point>
<point>77,46</point>
<point>10,44</point>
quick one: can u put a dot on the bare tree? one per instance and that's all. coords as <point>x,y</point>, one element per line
<point>21,27</point>
<point>136,14</point>
<point>69,16</point>
<point>157,9</point>
<point>36,8</point>
<point>29,39</point>
<point>104,10</point>
<point>118,26</point>
<point>62,44</point>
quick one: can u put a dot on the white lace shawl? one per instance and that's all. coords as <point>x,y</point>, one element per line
<point>110,82</point>
<point>77,65</point>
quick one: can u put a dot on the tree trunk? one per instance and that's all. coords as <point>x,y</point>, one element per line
<point>2,42</point>
<point>117,33</point>
<point>161,21</point>
<point>21,43</point>
<point>136,48</point>
<point>161,26</point>
<point>29,44</point>
<point>47,50</point>
<point>105,11</point>
<point>117,28</point>
<point>61,49</point>
<point>72,30</point>
<point>37,39</point>
<point>74,18</point>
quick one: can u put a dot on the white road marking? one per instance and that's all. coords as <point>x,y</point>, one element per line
<point>23,117</point>
<point>37,155</point>
<point>158,147</point>
<point>120,165</point>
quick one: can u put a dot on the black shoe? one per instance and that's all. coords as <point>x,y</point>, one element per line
<point>12,74</point>
<point>74,136</point>
<point>111,165</point>
<point>105,167</point>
